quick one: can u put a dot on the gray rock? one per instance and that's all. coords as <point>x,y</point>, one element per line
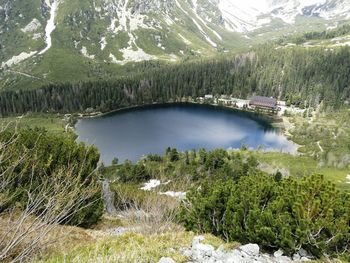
<point>303,253</point>
<point>202,250</point>
<point>220,252</point>
<point>166,260</point>
<point>278,253</point>
<point>250,253</point>
<point>265,258</point>
<point>296,257</point>
<point>186,252</point>
<point>283,259</point>
<point>234,256</point>
<point>250,249</point>
<point>196,240</point>
<point>209,260</point>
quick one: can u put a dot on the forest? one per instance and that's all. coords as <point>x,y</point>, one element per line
<point>303,77</point>
<point>316,35</point>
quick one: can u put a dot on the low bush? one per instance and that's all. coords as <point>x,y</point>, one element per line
<point>149,211</point>
<point>34,159</point>
<point>289,214</point>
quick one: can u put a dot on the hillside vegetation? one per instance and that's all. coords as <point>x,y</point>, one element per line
<point>299,76</point>
<point>46,180</point>
<point>229,196</point>
<point>59,203</point>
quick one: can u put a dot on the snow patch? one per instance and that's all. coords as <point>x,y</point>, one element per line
<point>168,20</point>
<point>76,43</point>
<point>207,38</point>
<point>248,15</point>
<point>173,57</point>
<point>86,53</point>
<point>113,58</point>
<point>185,40</point>
<point>131,55</point>
<point>128,20</point>
<point>17,59</point>
<point>50,27</point>
<point>242,16</point>
<point>154,183</point>
<point>150,185</point>
<point>203,22</point>
<point>103,43</point>
<point>32,26</point>
<point>180,195</point>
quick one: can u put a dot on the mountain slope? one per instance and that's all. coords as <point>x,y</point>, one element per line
<point>44,41</point>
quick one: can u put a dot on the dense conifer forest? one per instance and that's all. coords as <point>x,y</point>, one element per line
<point>303,77</point>
<point>316,35</point>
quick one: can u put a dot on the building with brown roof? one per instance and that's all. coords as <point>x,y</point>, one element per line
<point>263,102</point>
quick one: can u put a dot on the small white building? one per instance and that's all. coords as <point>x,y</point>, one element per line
<point>281,103</point>
<point>208,97</point>
<point>225,101</point>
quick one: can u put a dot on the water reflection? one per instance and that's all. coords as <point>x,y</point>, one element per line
<point>133,133</point>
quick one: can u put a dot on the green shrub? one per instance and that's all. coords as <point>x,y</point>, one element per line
<point>129,172</point>
<point>287,213</point>
<point>34,158</point>
<point>192,165</point>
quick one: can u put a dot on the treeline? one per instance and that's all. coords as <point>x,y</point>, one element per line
<point>303,77</point>
<point>316,35</point>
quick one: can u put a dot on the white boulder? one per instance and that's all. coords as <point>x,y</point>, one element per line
<point>250,249</point>
<point>278,253</point>
<point>197,240</point>
<point>166,260</point>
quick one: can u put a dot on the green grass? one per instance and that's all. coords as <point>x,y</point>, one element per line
<point>325,136</point>
<point>134,247</point>
<point>50,122</point>
<point>301,166</point>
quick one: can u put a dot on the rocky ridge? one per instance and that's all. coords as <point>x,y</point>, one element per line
<point>50,38</point>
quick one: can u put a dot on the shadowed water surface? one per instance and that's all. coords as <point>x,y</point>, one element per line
<point>133,133</point>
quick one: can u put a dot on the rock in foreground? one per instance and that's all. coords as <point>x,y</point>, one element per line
<point>204,253</point>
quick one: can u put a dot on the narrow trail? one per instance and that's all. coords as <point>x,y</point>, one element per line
<point>24,74</point>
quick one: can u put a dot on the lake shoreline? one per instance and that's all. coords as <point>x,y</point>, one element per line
<point>262,120</point>
<point>273,119</point>
<point>276,121</point>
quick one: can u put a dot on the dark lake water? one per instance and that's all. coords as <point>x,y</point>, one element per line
<point>133,133</point>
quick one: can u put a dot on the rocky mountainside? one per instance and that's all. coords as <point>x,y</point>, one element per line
<point>46,39</point>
